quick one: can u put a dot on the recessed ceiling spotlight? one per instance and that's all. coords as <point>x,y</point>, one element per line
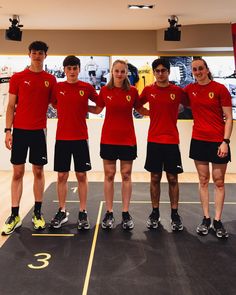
<point>140,6</point>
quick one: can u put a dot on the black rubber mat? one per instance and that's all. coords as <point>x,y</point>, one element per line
<point>113,262</point>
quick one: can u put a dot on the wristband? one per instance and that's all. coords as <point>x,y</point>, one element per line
<point>7,129</point>
<point>226,140</point>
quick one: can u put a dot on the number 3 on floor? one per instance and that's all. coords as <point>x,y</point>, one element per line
<point>44,260</point>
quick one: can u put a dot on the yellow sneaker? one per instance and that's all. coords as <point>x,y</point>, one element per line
<point>10,225</point>
<point>38,221</point>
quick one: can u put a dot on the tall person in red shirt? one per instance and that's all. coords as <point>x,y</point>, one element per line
<point>118,141</point>
<point>71,101</point>
<point>211,106</point>
<point>30,93</point>
<point>163,151</point>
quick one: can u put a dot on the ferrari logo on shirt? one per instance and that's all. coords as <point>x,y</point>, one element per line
<point>46,83</point>
<point>81,92</point>
<point>211,95</point>
<point>128,97</point>
<point>172,96</point>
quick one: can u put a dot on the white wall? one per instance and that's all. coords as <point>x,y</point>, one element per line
<point>94,127</point>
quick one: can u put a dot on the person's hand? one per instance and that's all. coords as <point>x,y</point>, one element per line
<point>8,140</point>
<point>223,150</point>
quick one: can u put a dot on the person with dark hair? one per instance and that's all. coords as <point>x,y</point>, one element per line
<point>163,140</point>
<point>118,141</point>
<point>211,106</point>
<point>71,101</point>
<point>30,93</point>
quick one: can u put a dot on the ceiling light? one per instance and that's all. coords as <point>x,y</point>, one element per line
<point>140,6</point>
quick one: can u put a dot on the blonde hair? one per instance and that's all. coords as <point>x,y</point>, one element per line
<point>126,83</point>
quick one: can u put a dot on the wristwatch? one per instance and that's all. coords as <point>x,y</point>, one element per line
<point>226,140</point>
<point>7,129</point>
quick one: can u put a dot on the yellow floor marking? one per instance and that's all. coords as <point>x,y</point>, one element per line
<point>53,235</point>
<point>91,256</point>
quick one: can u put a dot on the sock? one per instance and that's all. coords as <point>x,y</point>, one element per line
<point>156,210</point>
<point>37,206</point>
<point>15,211</point>
<point>174,212</point>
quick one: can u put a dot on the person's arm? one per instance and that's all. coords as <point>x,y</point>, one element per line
<point>9,119</point>
<point>142,111</point>
<point>223,148</point>
<point>95,109</point>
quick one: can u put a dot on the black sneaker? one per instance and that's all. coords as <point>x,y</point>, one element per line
<point>219,229</point>
<point>153,220</point>
<point>83,221</point>
<point>108,220</point>
<point>176,222</point>
<point>127,221</point>
<point>60,218</point>
<point>203,228</point>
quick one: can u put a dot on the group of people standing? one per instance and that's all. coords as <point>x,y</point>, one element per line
<point>33,89</point>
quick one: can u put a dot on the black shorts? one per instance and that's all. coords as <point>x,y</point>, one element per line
<point>163,157</point>
<point>114,152</point>
<point>64,149</point>
<point>206,151</point>
<point>35,141</point>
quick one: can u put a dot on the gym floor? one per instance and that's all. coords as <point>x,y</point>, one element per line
<point>142,261</point>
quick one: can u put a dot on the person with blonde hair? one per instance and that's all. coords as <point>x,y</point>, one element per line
<point>118,140</point>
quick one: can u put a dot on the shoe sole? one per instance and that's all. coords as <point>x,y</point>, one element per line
<point>84,227</point>
<point>174,228</point>
<point>125,227</point>
<point>225,236</point>
<point>61,223</point>
<point>154,226</point>
<point>202,233</point>
<point>107,227</point>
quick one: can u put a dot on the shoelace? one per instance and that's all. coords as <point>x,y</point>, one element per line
<point>154,216</point>
<point>37,214</point>
<point>108,216</point>
<point>126,216</point>
<point>11,218</point>
<point>82,216</point>
<point>59,215</point>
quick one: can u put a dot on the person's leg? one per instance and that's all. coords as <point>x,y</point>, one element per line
<point>39,182</point>
<point>126,187</point>
<point>218,176</point>
<point>173,189</point>
<point>17,184</point>
<point>82,189</point>
<point>109,176</point>
<point>38,189</point>
<point>62,189</point>
<point>61,216</point>
<point>126,191</point>
<point>83,222</point>
<point>155,189</point>
<point>176,222</point>
<point>204,177</point>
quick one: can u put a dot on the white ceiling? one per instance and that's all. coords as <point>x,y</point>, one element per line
<point>113,14</point>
